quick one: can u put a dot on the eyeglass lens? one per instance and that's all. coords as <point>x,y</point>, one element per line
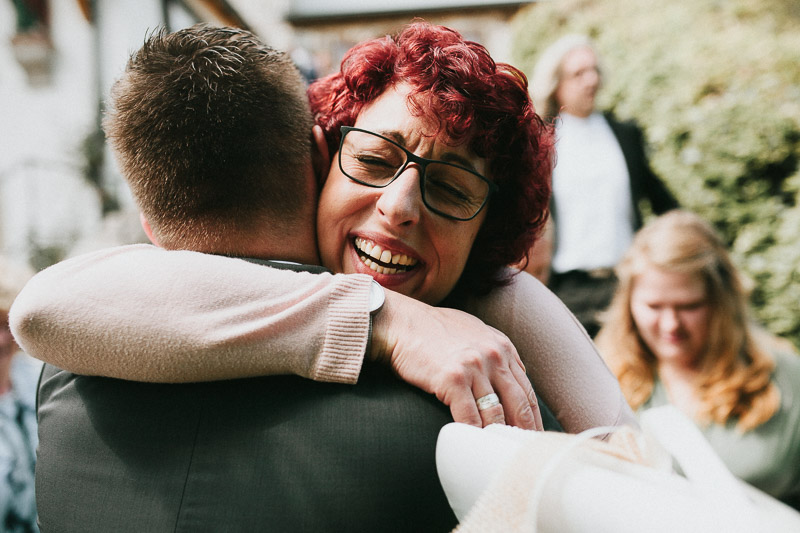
<point>447,189</point>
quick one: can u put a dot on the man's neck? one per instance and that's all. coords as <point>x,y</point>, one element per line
<point>283,242</point>
<point>288,249</point>
<point>286,242</point>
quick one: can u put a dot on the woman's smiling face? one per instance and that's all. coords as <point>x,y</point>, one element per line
<point>388,232</point>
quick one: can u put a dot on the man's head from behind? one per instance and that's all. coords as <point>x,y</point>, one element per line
<point>212,132</point>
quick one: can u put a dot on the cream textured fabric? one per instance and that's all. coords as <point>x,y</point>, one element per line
<point>504,479</point>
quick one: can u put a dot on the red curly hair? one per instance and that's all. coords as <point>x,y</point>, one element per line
<point>478,101</point>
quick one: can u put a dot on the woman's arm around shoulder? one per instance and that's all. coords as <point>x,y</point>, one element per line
<point>146,314</point>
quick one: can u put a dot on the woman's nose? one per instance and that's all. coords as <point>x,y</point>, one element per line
<point>591,77</point>
<point>670,320</point>
<point>400,202</point>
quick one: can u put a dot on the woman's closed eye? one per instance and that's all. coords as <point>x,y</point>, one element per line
<point>380,163</point>
<point>451,197</point>
<point>447,189</point>
<point>368,160</point>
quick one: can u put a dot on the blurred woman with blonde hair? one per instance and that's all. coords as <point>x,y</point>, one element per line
<point>678,331</point>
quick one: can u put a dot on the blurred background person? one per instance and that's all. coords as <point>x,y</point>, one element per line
<point>601,176</point>
<point>678,332</point>
<point>18,376</point>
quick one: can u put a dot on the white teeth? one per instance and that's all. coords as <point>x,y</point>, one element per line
<point>377,268</point>
<point>376,252</point>
<point>400,259</point>
<point>363,245</point>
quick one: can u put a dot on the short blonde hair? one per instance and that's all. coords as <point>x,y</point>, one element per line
<point>13,276</point>
<point>735,370</point>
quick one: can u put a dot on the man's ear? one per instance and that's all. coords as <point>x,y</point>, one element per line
<point>147,229</point>
<point>320,156</point>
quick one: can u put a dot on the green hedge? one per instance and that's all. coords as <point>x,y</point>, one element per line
<point>716,86</point>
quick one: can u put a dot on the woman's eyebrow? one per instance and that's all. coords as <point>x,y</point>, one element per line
<point>460,160</point>
<point>447,157</point>
<point>394,135</point>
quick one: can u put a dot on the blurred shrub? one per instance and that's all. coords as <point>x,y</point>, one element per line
<point>716,86</point>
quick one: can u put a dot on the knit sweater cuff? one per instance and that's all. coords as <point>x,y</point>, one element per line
<point>347,331</point>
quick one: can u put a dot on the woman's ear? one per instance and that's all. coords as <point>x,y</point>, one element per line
<point>147,229</point>
<point>320,156</point>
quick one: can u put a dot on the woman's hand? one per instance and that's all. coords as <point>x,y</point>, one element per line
<point>458,358</point>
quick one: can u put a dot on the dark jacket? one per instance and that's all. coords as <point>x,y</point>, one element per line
<point>263,454</point>
<point>645,185</point>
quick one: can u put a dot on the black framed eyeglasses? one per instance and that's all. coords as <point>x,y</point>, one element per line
<point>449,190</point>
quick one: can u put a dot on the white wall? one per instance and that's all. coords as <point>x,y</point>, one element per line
<point>42,129</point>
<point>43,194</point>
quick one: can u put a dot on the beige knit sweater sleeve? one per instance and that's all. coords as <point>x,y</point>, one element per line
<point>139,312</point>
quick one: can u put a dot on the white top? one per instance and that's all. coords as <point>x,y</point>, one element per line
<point>591,195</point>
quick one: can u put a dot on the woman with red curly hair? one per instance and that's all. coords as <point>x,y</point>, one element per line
<point>448,99</point>
<point>438,177</point>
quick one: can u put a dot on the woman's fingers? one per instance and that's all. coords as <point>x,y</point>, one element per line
<point>503,397</point>
<point>494,390</point>
<point>456,357</point>
<point>477,405</point>
<point>518,371</point>
<point>517,402</point>
<point>464,409</point>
